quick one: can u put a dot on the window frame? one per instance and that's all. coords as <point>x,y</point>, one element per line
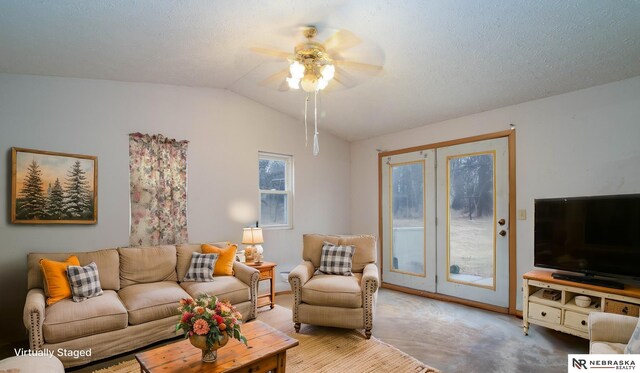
<point>288,189</point>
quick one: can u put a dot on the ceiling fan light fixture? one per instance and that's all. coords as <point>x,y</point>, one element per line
<point>293,83</point>
<point>328,71</point>
<point>322,83</point>
<point>309,83</point>
<point>297,70</point>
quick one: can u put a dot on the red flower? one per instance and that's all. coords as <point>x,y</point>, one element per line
<point>219,319</point>
<point>186,317</point>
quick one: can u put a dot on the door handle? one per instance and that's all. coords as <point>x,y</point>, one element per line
<point>501,222</point>
<point>502,233</point>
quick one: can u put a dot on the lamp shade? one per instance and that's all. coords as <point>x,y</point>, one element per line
<point>252,236</point>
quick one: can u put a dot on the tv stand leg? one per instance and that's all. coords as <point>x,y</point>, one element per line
<point>525,328</point>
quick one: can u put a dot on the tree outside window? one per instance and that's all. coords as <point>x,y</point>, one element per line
<point>276,190</point>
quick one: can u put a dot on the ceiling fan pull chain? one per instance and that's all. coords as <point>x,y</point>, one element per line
<point>306,135</point>
<point>316,147</point>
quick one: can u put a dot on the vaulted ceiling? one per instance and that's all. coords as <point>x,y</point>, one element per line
<point>442,58</point>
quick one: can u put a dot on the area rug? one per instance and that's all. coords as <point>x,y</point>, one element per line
<point>325,350</point>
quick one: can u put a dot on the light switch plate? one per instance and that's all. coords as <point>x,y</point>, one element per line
<point>522,214</point>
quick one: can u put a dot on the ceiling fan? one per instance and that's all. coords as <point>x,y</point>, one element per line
<point>314,66</point>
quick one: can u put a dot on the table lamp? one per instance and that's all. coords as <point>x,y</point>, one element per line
<point>251,237</point>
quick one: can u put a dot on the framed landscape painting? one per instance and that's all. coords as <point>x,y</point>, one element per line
<point>53,188</point>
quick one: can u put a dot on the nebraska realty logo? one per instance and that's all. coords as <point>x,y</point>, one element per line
<point>603,363</point>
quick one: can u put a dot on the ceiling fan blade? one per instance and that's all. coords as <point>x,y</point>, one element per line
<point>284,86</point>
<point>361,66</point>
<point>344,78</point>
<point>341,40</point>
<point>271,52</point>
<point>276,80</point>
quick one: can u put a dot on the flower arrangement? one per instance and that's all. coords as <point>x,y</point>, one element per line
<point>207,316</point>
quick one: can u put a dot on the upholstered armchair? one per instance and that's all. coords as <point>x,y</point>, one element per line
<point>609,333</point>
<point>336,300</point>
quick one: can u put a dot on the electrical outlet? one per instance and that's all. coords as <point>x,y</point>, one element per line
<point>522,214</point>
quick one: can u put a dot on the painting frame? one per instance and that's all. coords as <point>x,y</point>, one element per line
<point>64,210</point>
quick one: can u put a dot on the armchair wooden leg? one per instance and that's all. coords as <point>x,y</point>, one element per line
<point>297,327</point>
<point>367,333</point>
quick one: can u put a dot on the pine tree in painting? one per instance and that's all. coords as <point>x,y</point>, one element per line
<point>33,199</point>
<point>56,201</point>
<point>76,202</point>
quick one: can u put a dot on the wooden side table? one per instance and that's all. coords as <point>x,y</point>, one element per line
<point>267,272</point>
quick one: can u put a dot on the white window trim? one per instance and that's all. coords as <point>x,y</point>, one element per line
<point>288,159</point>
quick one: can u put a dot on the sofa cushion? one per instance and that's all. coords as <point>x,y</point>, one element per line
<point>201,267</point>
<point>366,250</point>
<point>140,265</point>
<point>633,347</point>
<point>184,252</point>
<point>56,283</point>
<point>107,260</point>
<point>333,291</point>
<point>607,348</point>
<point>152,301</point>
<point>84,282</point>
<point>68,320</point>
<point>312,246</point>
<point>226,257</point>
<point>336,260</point>
<point>224,287</point>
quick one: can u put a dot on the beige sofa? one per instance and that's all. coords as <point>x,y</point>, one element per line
<point>333,300</point>
<point>609,333</point>
<point>142,289</point>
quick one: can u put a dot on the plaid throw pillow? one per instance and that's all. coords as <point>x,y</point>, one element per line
<point>336,260</point>
<point>201,268</point>
<point>84,281</point>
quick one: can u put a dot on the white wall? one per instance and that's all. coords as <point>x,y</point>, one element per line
<point>581,143</point>
<point>225,131</point>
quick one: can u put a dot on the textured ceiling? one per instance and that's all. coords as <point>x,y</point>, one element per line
<point>442,59</point>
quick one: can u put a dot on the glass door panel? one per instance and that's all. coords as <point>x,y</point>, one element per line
<point>471,221</point>
<point>408,250</point>
<point>408,215</point>
<point>473,201</point>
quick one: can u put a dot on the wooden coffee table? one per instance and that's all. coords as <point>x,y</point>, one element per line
<point>267,351</point>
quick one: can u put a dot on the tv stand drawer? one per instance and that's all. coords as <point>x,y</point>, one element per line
<point>575,320</point>
<point>544,313</point>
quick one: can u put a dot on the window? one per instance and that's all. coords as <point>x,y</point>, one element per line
<point>276,190</point>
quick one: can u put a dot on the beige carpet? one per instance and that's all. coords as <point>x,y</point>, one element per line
<point>324,350</point>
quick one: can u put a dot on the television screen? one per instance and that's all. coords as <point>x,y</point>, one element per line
<point>593,235</point>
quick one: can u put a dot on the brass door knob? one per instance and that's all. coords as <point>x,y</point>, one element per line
<point>501,221</point>
<point>502,233</point>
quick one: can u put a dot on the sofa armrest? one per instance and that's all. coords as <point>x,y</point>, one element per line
<point>249,276</point>
<point>245,273</point>
<point>611,327</point>
<point>370,278</point>
<point>301,274</point>
<point>33,317</point>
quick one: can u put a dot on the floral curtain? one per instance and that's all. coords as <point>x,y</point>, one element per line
<point>158,186</point>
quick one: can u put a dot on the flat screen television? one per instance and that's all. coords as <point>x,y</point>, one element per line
<point>591,235</point>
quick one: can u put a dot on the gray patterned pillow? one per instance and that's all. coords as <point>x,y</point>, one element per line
<point>201,268</point>
<point>336,260</point>
<point>84,281</point>
<point>633,347</point>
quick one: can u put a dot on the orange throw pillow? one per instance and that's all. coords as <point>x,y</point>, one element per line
<point>56,282</point>
<point>226,257</point>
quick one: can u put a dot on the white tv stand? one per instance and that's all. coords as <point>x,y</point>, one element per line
<point>563,314</point>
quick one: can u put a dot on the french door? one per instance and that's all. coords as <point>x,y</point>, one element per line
<point>445,220</point>
<point>409,199</point>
